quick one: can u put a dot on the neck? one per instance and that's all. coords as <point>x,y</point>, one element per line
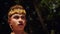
<point>18,32</point>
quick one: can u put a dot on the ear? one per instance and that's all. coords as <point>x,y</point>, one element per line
<point>11,26</point>
<point>9,20</point>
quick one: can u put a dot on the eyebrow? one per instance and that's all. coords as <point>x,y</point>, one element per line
<point>16,13</point>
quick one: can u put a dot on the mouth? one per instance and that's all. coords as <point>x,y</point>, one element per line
<point>20,24</point>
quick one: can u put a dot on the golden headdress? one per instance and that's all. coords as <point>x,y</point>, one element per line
<point>16,9</point>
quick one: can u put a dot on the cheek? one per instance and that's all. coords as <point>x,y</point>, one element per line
<point>24,21</point>
<point>13,21</point>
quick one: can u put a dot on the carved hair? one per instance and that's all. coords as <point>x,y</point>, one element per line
<point>16,9</point>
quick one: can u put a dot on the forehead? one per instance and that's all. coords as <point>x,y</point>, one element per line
<point>18,15</point>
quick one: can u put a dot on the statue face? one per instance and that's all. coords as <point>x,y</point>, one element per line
<point>17,21</point>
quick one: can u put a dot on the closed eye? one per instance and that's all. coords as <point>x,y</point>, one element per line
<point>22,17</point>
<point>16,17</point>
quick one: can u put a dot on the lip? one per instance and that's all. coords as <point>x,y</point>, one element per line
<point>20,24</point>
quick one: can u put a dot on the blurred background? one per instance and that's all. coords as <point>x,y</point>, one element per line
<point>43,15</point>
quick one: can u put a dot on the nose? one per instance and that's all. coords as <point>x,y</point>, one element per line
<point>20,23</point>
<point>20,19</point>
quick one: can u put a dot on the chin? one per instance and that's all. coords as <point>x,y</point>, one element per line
<point>20,29</point>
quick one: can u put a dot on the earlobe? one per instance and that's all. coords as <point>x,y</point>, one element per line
<point>11,26</point>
